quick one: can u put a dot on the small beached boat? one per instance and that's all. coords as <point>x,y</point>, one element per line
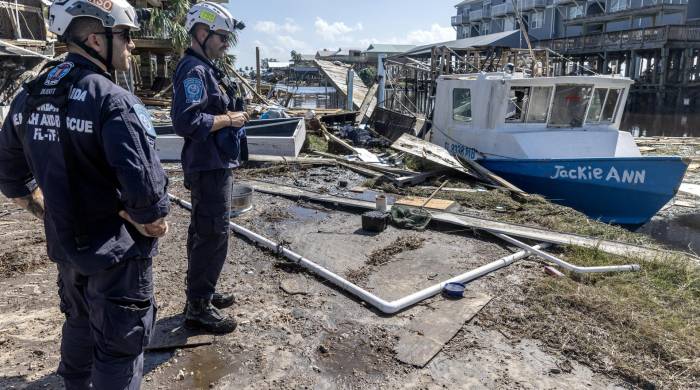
<point>281,137</point>
<point>558,137</point>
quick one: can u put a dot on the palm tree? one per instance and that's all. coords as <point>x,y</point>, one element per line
<point>169,23</point>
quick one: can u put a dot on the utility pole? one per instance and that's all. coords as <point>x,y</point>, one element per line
<point>381,79</point>
<point>257,69</point>
<point>351,78</point>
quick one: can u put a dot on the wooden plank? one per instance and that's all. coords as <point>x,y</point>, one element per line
<point>492,177</point>
<point>466,221</point>
<point>435,203</point>
<point>170,334</point>
<point>428,332</point>
<point>416,178</point>
<point>429,151</point>
<point>368,104</point>
<point>337,74</point>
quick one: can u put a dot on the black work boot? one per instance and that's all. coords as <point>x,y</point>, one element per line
<point>202,315</point>
<point>222,300</point>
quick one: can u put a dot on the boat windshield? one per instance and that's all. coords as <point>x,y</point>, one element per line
<point>604,105</point>
<point>569,105</point>
<point>528,104</point>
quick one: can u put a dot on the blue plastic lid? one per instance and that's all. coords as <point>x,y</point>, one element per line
<point>454,290</point>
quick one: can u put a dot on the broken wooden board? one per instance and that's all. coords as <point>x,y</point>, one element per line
<point>466,221</point>
<point>171,334</point>
<point>429,151</point>
<point>338,74</point>
<point>692,189</point>
<point>416,178</point>
<point>428,333</point>
<point>368,105</point>
<point>436,204</point>
<point>492,177</point>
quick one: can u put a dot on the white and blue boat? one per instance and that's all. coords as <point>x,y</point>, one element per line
<point>558,137</point>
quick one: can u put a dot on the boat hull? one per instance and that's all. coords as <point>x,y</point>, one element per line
<point>625,191</point>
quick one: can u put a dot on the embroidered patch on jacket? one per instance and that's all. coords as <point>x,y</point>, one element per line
<point>56,74</point>
<point>193,90</point>
<point>145,119</point>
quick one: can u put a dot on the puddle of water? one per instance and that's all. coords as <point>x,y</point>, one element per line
<point>307,214</point>
<point>208,367</point>
<point>681,232</point>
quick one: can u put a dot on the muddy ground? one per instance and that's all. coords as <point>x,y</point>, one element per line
<point>320,338</point>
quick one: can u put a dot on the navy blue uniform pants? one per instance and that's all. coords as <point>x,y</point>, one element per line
<point>109,320</point>
<point>207,238</point>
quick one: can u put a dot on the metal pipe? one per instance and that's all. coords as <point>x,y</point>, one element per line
<point>379,303</point>
<point>564,264</point>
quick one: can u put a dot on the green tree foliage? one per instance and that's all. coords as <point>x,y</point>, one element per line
<point>368,76</point>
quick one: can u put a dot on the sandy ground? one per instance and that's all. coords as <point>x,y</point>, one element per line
<point>321,339</point>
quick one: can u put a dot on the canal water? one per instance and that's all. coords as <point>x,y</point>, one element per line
<point>661,125</point>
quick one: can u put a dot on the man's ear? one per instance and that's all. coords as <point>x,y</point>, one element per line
<point>95,41</point>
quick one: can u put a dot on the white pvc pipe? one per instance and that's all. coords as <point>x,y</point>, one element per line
<point>379,303</point>
<point>564,264</point>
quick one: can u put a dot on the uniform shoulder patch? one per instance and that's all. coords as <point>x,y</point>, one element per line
<point>145,119</point>
<point>57,73</point>
<point>194,89</point>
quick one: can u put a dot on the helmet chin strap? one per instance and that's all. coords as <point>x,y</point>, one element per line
<point>203,45</point>
<point>106,62</point>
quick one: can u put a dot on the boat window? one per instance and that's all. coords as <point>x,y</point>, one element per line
<point>539,104</point>
<point>517,104</point>
<point>569,105</point>
<point>611,105</point>
<point>596,105</point>
<point>461,105</point>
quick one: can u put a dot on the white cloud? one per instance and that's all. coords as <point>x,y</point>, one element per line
<point>269,27</point>
<point>436,33</point>
<point>281,46</point>
<point>336,31</point>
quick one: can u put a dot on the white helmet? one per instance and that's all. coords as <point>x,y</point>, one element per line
<point>111,13</point>
<point>216,16</point>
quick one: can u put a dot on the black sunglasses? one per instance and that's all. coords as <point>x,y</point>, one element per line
<point>225,38</point>
<point>125,34</point>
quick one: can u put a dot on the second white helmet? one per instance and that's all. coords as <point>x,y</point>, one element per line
<point>216,16</point>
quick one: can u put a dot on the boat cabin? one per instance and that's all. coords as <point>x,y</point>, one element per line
<point>502,115</point>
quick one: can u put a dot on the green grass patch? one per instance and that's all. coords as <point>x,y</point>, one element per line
<point>643,326</point>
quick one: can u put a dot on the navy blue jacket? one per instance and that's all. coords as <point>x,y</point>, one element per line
<point>117,168</point>
<point>197,99</point>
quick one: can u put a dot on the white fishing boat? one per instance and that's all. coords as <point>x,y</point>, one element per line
<point>558,137</point>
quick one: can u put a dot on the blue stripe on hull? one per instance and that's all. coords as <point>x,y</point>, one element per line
<point>626,191</point>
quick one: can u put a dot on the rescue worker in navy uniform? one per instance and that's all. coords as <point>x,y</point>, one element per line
<point>77,151</point>
<point>207,114</point>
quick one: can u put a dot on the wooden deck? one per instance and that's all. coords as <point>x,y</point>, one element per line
<point>639,39</point>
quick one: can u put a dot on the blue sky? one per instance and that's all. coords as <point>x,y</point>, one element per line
<point>279,26</point>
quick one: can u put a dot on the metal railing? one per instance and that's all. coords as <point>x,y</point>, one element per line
<point>460,20</point>
<point>559,2</point>
<point>476,15</point>
<point>619,39</point>
<point>532,4</point>
<point>502,9</point>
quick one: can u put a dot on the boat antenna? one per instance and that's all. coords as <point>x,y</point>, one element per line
<point>523,32</point>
